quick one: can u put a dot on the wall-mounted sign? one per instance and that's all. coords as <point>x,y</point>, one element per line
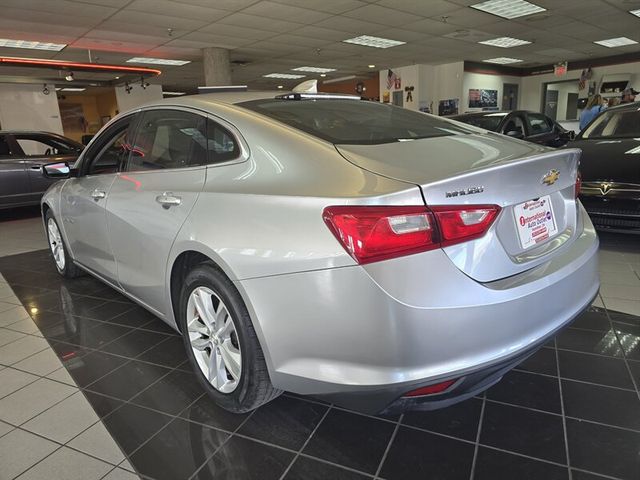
<point>480,98</point>
<point>560,69</point>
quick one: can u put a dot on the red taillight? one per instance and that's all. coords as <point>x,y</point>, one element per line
<point>374,233</point>
<point>578,184</point>
<point>371,234</point>
<point>431,389</point>
<point>464,223</point>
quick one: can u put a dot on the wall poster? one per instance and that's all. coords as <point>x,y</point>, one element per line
<point>448,107</point>
<point>480,98</point>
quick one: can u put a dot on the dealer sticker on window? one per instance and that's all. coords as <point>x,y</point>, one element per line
<point>535,221</point>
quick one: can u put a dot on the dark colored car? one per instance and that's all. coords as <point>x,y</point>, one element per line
<point>22,155</point>
<point>530,126</point>
<point>610,167</point>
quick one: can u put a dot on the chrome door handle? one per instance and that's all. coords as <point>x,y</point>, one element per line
<point>168,200</point>
<point>36,167</point>
<point>98,194</point>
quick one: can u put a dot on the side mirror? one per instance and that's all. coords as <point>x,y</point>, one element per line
<point>515,134</point>
<point>568,135</point>
<point>57,170</point>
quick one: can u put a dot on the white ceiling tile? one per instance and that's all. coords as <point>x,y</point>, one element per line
<point>61,7</point>
<point>330,6</point>
<point>222,30</point>
<point>423,8</point>
<point>382,15</point>
<point>165,21</point>
<point>279,11</point>
<point>313,31</point>
<point>352,26</point>
<point>254,21</point>
<point>179,10</point>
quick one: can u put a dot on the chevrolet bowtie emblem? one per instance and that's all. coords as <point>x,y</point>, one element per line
<point>551,177</point>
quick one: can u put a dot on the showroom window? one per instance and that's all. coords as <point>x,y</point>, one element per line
<point>169,139</point>
<point>538,124</point>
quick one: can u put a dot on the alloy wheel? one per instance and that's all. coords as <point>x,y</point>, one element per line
<point>214,339</point>
<point>55,243</point>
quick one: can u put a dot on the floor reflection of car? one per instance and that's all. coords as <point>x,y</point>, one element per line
<point>610,168</point>
<point>22,155</point>
<point>353,264</point>
<point>530,126</point>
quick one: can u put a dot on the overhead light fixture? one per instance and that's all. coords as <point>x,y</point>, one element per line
<point>616,42</point>
<point>73,89</point>
<point>69,77</point>
<point>375,42</point>
<point>174,94</point>
<point>372,66</point>
<point>505,42</point>
<point>288,76</point>
<point>313,69</point>
<point>158,61</point>
<point>280,87</point>
<point>502,60</point>
<point>509,8</point>
<point>635,12</point>
<point>11,43</point>
<point>323,74</point>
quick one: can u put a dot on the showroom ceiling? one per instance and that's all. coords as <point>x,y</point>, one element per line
<point>276,36</point>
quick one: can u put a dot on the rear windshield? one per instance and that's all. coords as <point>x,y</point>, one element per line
<point>615,123</point>
<point>354,121</point>
<point>488,122</point>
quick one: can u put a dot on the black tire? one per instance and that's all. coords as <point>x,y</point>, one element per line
<point>70,270</point>
<point>254,386</point>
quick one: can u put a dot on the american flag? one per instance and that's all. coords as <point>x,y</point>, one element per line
<point>391,79</point>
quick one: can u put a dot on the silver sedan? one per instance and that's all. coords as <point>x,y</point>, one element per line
<point>376,257</point>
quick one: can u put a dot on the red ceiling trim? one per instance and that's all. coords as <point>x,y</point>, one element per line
<point>78,66</point>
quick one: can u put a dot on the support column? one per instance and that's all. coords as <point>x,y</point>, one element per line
<point>217,68</point>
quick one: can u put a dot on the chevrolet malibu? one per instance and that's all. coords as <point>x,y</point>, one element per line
<point>379,258</point>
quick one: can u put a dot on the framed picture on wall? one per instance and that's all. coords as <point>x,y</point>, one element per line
<point>481,98</point>
<point>448,107</point>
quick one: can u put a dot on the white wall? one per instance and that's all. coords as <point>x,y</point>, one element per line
<point>532,87</point>
<point>485,82</point>
<point>409,77</point>
<point>25,107</point>
<point>137,97</point>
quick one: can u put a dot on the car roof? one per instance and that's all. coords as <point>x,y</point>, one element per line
<point>28,132</point>
<point>490,112</point>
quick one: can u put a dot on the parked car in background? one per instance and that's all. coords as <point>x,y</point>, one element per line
<point>376,257</point>
<point>525,125</point>
<point>610,168</point>
<point>22,155</point>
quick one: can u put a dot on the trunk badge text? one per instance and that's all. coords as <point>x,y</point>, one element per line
<point>468,191</point>
<point>551,177</point>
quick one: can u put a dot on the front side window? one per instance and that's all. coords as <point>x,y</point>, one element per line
<point>38,146</point>
<point>615,123</point>
<point>169,139</point>
<point>355,122</point>
<point>110,150</point>
<point>538,124</point>
<point>514,124</point>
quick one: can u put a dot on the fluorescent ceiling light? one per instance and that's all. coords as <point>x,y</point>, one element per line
<point>502,60</point>
<point>616,42</point>
<point>375,42</point>
<point>158,61</point>
<point>10,43</point>
<point>505,42</point>
<point>314,69</point>
<point>289,76</point>
<point>508,8</point>
<point>635,12</point>
<point>174,93</point>
<point>73,89</point>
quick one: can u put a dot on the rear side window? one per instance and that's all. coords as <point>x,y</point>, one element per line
<point>615,123</point>
<point>169,139</point>
<point>538,124</point>
<point>221,144</point>
<point>38,145</point>
<point>354,121</point>
<point>488,122</point>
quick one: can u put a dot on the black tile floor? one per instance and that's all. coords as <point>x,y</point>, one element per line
<point>572,411</point>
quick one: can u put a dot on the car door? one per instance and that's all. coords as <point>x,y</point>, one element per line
<point>14,183</point>
<point>151,199</point>
<point>40,149</point>
<point>85,198</point>
<point>540,129</point>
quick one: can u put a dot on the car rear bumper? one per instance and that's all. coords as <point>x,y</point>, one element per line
<point>341,335</point>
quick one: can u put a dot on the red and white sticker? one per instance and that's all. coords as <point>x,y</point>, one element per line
<point>535,221</point>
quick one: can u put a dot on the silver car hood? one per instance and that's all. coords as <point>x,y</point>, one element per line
<point>430,160</point>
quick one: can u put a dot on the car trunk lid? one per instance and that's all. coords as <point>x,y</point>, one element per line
<point>488,169</point>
